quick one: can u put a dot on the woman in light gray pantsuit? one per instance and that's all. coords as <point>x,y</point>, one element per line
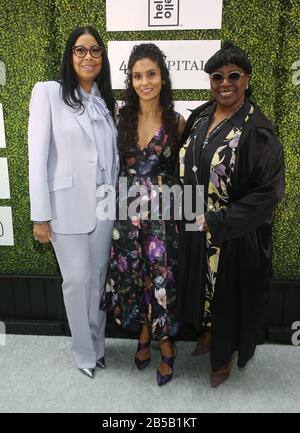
<point>73,165</point>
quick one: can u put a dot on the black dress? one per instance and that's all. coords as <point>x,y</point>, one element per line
<point>224,274</point>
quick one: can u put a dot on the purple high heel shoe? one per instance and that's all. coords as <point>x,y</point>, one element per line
<point>169,360</point>
<point>141,364</point>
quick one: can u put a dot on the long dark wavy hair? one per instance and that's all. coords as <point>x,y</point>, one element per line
<point>128,115</point>
<point>68,79</point>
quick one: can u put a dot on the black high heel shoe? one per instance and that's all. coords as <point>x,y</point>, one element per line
<point>141,364</point>
<point>169,360</point>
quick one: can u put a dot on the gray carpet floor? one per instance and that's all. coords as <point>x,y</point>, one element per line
<point>37,375</point>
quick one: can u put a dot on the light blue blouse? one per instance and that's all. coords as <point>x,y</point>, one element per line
<point>104,133</point>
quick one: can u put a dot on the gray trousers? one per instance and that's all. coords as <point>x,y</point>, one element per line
<point>83,264</point>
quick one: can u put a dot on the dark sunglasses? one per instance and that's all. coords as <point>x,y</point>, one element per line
<point>218,77</point>
<point>81,52</point>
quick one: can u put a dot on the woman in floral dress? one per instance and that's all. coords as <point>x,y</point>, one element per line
<point>140,286</point>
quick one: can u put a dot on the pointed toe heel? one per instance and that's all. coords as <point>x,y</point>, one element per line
<point>219,376</point>
<point>101,362</point>
<point>141,364</point>
<point>90,372</point>
<point>163,379</point>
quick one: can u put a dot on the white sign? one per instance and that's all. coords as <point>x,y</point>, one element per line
<point>123,15</point>
<point>185,61</point>
<point>6,227</point>
<point>4,180</point>
<point>2,131</point>
<point>185,107</point>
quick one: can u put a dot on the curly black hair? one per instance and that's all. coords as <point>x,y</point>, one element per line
<point>128,115</point>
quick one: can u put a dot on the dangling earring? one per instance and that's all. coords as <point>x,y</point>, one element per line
<point>163,82</point>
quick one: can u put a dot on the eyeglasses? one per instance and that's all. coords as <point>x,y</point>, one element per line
<point>219,77</point>
<point>81,52</point>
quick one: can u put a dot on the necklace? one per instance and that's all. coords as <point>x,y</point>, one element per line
<point>214,132</point>
<point>205,143</point>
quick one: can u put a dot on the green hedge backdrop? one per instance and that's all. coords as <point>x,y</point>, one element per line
<point>32,38</point>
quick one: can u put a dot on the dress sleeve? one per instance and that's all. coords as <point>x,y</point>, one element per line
<point>39,137</point>
<point>261,187</point>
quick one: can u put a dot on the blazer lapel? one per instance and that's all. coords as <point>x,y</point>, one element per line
<point>84,121</point>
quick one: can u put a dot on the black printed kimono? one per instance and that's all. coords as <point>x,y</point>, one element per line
<point>224,274</point>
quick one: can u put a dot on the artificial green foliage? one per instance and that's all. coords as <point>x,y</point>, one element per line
<point>269,32</point>
<point>287,228</point>
<point>33,35</point>
<point>28,51</point>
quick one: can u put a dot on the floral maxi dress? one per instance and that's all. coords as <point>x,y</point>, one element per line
<point>141,274</point>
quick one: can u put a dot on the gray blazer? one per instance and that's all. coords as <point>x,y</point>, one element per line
<point>62,163</point>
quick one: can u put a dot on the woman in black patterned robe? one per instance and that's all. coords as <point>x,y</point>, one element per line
<point>230,148</point>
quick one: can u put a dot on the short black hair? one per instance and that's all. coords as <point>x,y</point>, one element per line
<point>229,53</point>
